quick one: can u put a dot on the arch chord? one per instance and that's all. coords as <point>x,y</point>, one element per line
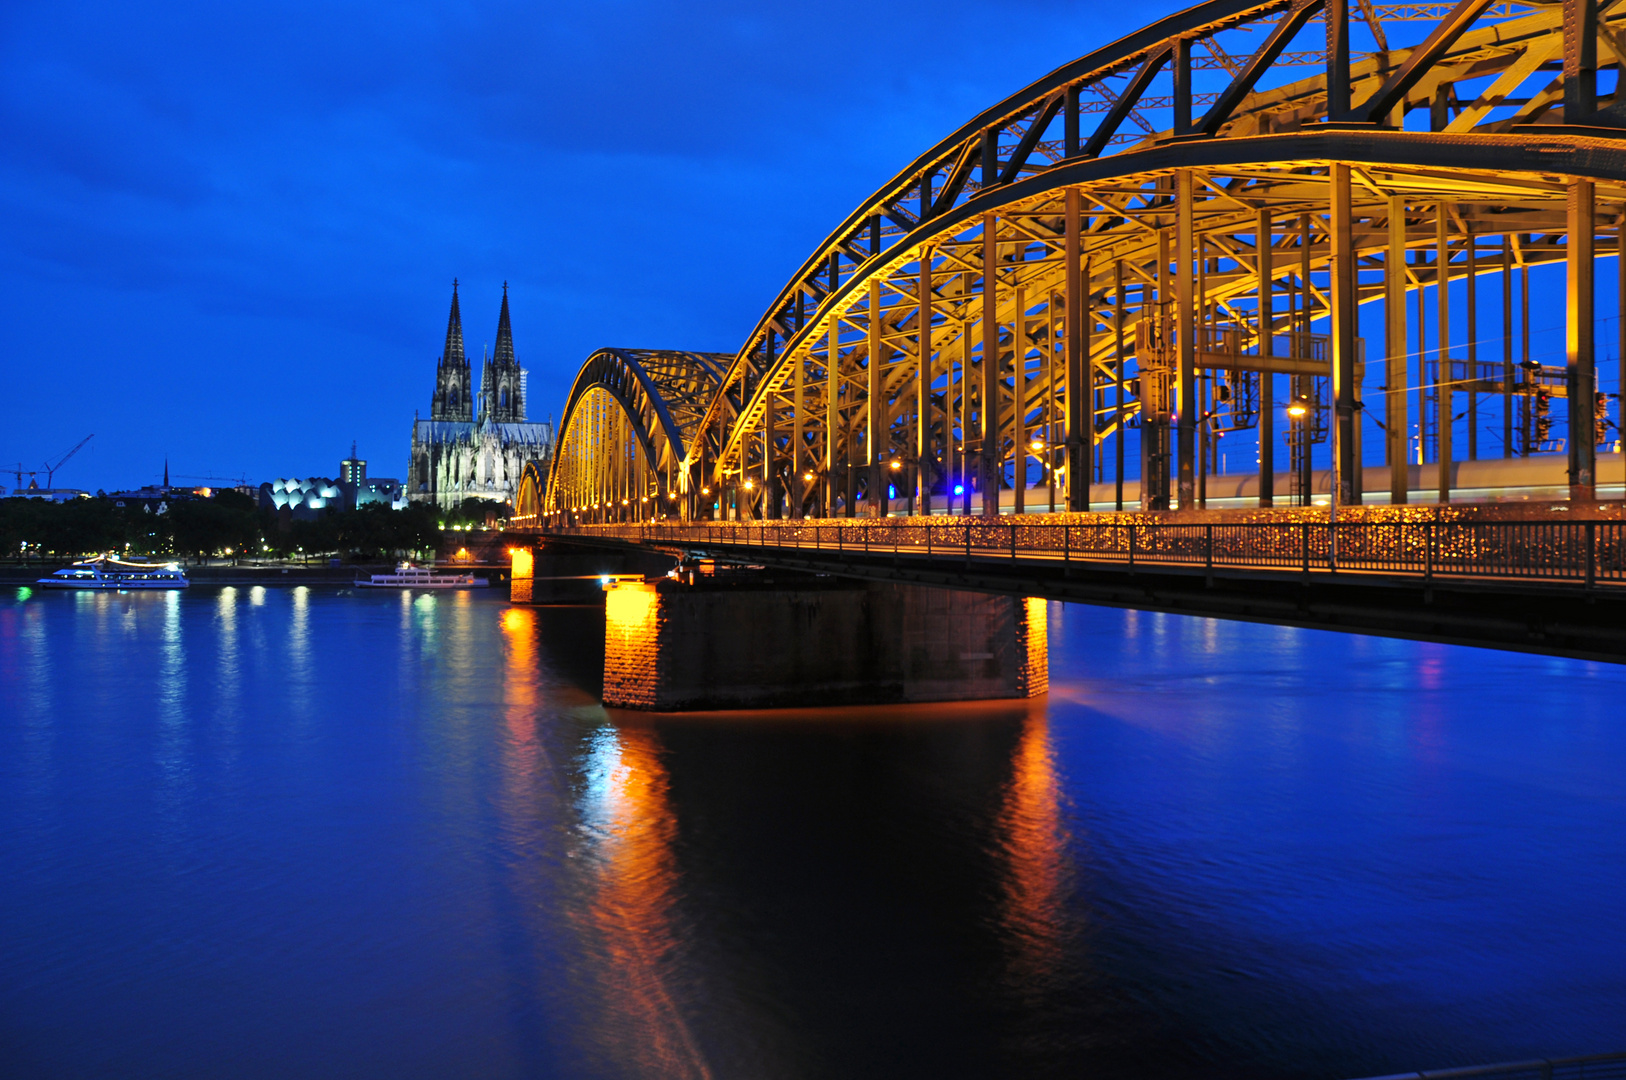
<point>626,432</point>
<point>1173,237</point>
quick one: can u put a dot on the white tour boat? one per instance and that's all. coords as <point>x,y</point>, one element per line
<point>110,573</point>
<point>407,576</point>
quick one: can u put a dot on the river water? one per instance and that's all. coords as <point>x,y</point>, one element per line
<point>307,832</point>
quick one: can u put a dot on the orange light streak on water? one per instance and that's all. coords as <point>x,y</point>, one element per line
<point>629,809</point>
<point>1033,843</point>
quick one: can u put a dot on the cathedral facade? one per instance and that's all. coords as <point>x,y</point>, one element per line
<point>476,441</point>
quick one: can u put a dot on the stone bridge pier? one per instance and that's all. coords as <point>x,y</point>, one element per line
<point>721,637</point>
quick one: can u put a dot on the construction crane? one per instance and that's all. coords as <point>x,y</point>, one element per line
<point>235,481</point>
<point>48,468</point>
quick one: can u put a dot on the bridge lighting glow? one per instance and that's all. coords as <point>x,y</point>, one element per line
<point>1480,69</point>
<point>705,491</point>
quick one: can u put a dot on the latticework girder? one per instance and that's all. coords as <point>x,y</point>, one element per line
<point>627,428</point>
<point>1153,234</point>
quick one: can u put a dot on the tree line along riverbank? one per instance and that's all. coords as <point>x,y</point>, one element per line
<point>227,525</point>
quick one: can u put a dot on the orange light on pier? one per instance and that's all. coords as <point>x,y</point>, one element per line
<point>521,562</point>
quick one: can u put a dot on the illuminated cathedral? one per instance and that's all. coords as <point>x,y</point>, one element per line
<point>476,442</point>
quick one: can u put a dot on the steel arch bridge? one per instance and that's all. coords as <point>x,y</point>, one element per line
<point>1174,232</point>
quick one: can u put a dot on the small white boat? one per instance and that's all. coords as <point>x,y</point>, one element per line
<point>110,573</point>
<point>407,576</point>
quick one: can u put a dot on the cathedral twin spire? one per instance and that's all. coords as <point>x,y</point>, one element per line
<point>502,383</point>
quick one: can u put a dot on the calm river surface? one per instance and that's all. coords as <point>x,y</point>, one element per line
<point>305,832</point>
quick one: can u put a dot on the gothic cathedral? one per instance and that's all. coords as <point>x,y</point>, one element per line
<point>476,442</point>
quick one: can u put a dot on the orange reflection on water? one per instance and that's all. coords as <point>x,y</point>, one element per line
<point>1034,844</point>
<point>528,780</point>
<point>628,808</point>
<point>521,674</point>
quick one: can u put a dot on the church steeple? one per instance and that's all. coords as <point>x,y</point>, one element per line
<point>453,398</point>
<point>504,390</point>
<point>504,352</point>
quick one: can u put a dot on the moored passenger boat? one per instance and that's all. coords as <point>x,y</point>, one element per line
<point>407,576</point>
<point>110,573</point>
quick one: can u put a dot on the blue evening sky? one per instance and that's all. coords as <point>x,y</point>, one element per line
<point>231,229</point>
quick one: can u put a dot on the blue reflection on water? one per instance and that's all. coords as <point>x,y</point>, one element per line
<point>275,832</point>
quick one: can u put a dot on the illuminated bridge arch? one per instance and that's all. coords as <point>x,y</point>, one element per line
<point>625,431</point>
<point>1175,233</point>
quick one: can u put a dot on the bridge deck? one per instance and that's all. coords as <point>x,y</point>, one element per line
<point>1548,587</point>
<point>1589,554</point>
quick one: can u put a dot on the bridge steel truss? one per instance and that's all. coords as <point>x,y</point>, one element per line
<point>628,423</point>
<point>1111,247</point>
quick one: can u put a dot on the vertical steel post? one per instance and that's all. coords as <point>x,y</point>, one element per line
<point>1473,337</point>
<point>831,414</point>
<point>1346,486</point>
<point>1154,430</point>
<point>1580,60</point>
<point>1335,13</point>
<point>1199,335</point>
<point>1444,369</point>
<point>770,475</point>
<point>1422,366</point>
<point>1070,121</point>
<point>1524,346</point>
<point>798,405</point>
<point>1079,425</point>
<point>988,409</point>
<point>1306,298</point>
<point>1019,402</point>
<point>1052,349</point>
<point>1578,338</point>
<point>963,459</point>
<point>1507,343</point>
<point>1265,287</point>
<point>1394,312</point>
<point>1118,347</point>
<point>1185,328</point>
<point>1182,85</point>
<point>770,438</point>
<point>1091,392</point>
<point>875,427</point>
<point>924,458</point>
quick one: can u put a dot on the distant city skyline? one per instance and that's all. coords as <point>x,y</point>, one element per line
<point>231,232</point>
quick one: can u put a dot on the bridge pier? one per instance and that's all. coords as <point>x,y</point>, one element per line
<point>555,571</point>
<point>746,639</point>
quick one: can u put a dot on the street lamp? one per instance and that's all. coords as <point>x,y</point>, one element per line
<point>1298,411</point>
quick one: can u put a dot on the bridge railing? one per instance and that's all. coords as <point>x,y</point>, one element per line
<point>1596,1067</point>
<point>1578,552</point>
